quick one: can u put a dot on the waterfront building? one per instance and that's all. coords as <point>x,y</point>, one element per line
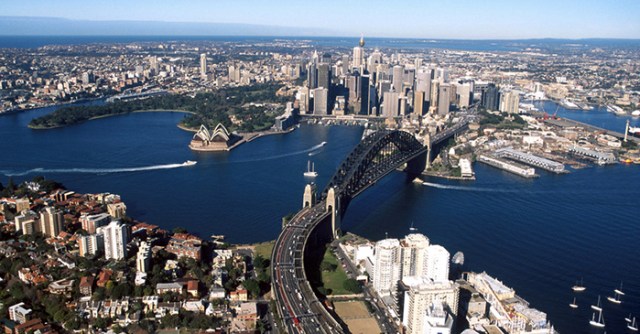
<point>386,270</point>
<point>414,255</point>
<point>51,222</point>
<point>117,210</point>
<point>143,257</point>
<point>320,101</point>
<point>115,240</point>
<point>437,264</point>
<point>217,140</point>
<point>444,99</point>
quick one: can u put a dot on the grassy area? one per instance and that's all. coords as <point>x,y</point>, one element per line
<point>334,280</point>
<point>264,249</point>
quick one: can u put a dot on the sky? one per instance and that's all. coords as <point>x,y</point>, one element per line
<point>456,19</point>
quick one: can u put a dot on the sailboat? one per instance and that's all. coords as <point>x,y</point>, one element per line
<point>310,170</point>
<point>579,287</point>
<point>633,325</point>
<point>628,319</point>
<point>573,304</point>
<point>597,307</point>
<point>412,229</point>
<point>617,293</point>
<point>599,322</point>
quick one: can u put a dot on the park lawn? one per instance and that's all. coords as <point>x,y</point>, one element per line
<point>334,280</point>
<point>264,249</point>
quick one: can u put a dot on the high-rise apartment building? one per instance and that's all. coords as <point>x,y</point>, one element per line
<point>51,222</point>
<point>509,102</point>
<point>437,264</point>
<point>414,254</point>
<point>386,272</point>
<point>420,295</point>
<point>203,65</point>
<point>143,257</point>
<point>115,240</point>
<point>90,244</point>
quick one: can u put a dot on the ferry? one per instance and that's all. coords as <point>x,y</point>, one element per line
<point>616,110</point>
<point>310,170</point>
<point>189,163</point>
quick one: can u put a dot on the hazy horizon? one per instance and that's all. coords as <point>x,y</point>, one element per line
<point>463,19</point>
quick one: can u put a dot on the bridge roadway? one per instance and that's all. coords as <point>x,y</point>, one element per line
<point>296,303</point>
<point>298,306</point>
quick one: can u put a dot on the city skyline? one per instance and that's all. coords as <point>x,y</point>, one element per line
<point>462,20</point>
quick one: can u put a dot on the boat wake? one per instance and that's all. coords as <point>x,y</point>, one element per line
<point>314,149</point>
<point>92,170</point>
<point>461,188</point>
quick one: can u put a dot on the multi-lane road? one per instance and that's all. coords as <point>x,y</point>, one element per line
<point>298,306</point>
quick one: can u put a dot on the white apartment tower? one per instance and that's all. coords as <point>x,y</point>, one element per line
<point>51,221</point>
<point>203,64</point>
<point>437,264</point>
<point>115,240</point>
<point>414,254</point>
<point>143,257</point>
<point>386,271</point>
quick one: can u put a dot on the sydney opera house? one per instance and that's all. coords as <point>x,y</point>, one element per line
<point>220,139</point>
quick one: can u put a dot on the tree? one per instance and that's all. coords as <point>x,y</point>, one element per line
<point>178,229</point>
<point>352,285</point>
<point>327,266</point>
<point>253,287</point>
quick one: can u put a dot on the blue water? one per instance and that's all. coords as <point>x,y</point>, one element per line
<point>599,116</point>
<point>332,42</point>
<point>538,236</point>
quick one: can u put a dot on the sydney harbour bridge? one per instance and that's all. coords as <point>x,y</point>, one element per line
<point>318,222</point>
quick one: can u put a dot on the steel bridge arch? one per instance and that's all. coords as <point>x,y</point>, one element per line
<point>375,156</point>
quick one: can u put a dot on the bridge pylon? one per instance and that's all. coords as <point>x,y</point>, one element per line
<point>309,197</point>
<point>333,206</point>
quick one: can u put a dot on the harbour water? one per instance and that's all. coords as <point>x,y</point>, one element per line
<point>538,236</point>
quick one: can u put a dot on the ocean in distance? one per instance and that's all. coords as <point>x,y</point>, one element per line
<point>27,42</point>
<point>538,236</point>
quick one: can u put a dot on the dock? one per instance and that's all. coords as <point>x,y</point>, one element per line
<point>531,160</point>
<point>508,166</point>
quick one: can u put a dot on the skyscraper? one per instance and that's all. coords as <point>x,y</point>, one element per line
<point>115,240</point>
<point>203,65</point>
<point>463,93</point>
<point>320,101</point>
<point>51,221</point>
<point>90,244</point>
<point>324,75</point>
<point>414,254</point>
<point>365,107</point>
<point>444,99</point>
<point>386,271</point>
<point>358,54</point>
<point>391,104</point>
<point>398,79</point>
<point>418,103</point>
<point>509,102</point>
<point>490,97</point>
<point>433,99</point>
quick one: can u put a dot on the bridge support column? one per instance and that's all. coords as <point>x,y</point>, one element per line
<point>333,206</point>
<point>309,197</point>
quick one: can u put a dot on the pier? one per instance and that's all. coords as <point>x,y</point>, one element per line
<point>532,160</point>
<point>510,167</point>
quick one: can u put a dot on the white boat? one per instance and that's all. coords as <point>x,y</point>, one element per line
<point>635,113</point>
<point>597,323</point>
<point>615,299</point>
<point>616,110</point>
<point>628,319</point>
<point>633,325</point>
<point>597,307</point>
<point>189,163</point>
<point>579,287</point>
<point>573,304</point>
<point>458,258</point>
<point>634,130</point>
<point>310,170</point>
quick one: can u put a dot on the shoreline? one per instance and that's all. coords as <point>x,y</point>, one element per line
<point>113,115</point>
<point>247,137</point>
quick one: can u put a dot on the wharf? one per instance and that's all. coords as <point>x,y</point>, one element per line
<point>508,166</point>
